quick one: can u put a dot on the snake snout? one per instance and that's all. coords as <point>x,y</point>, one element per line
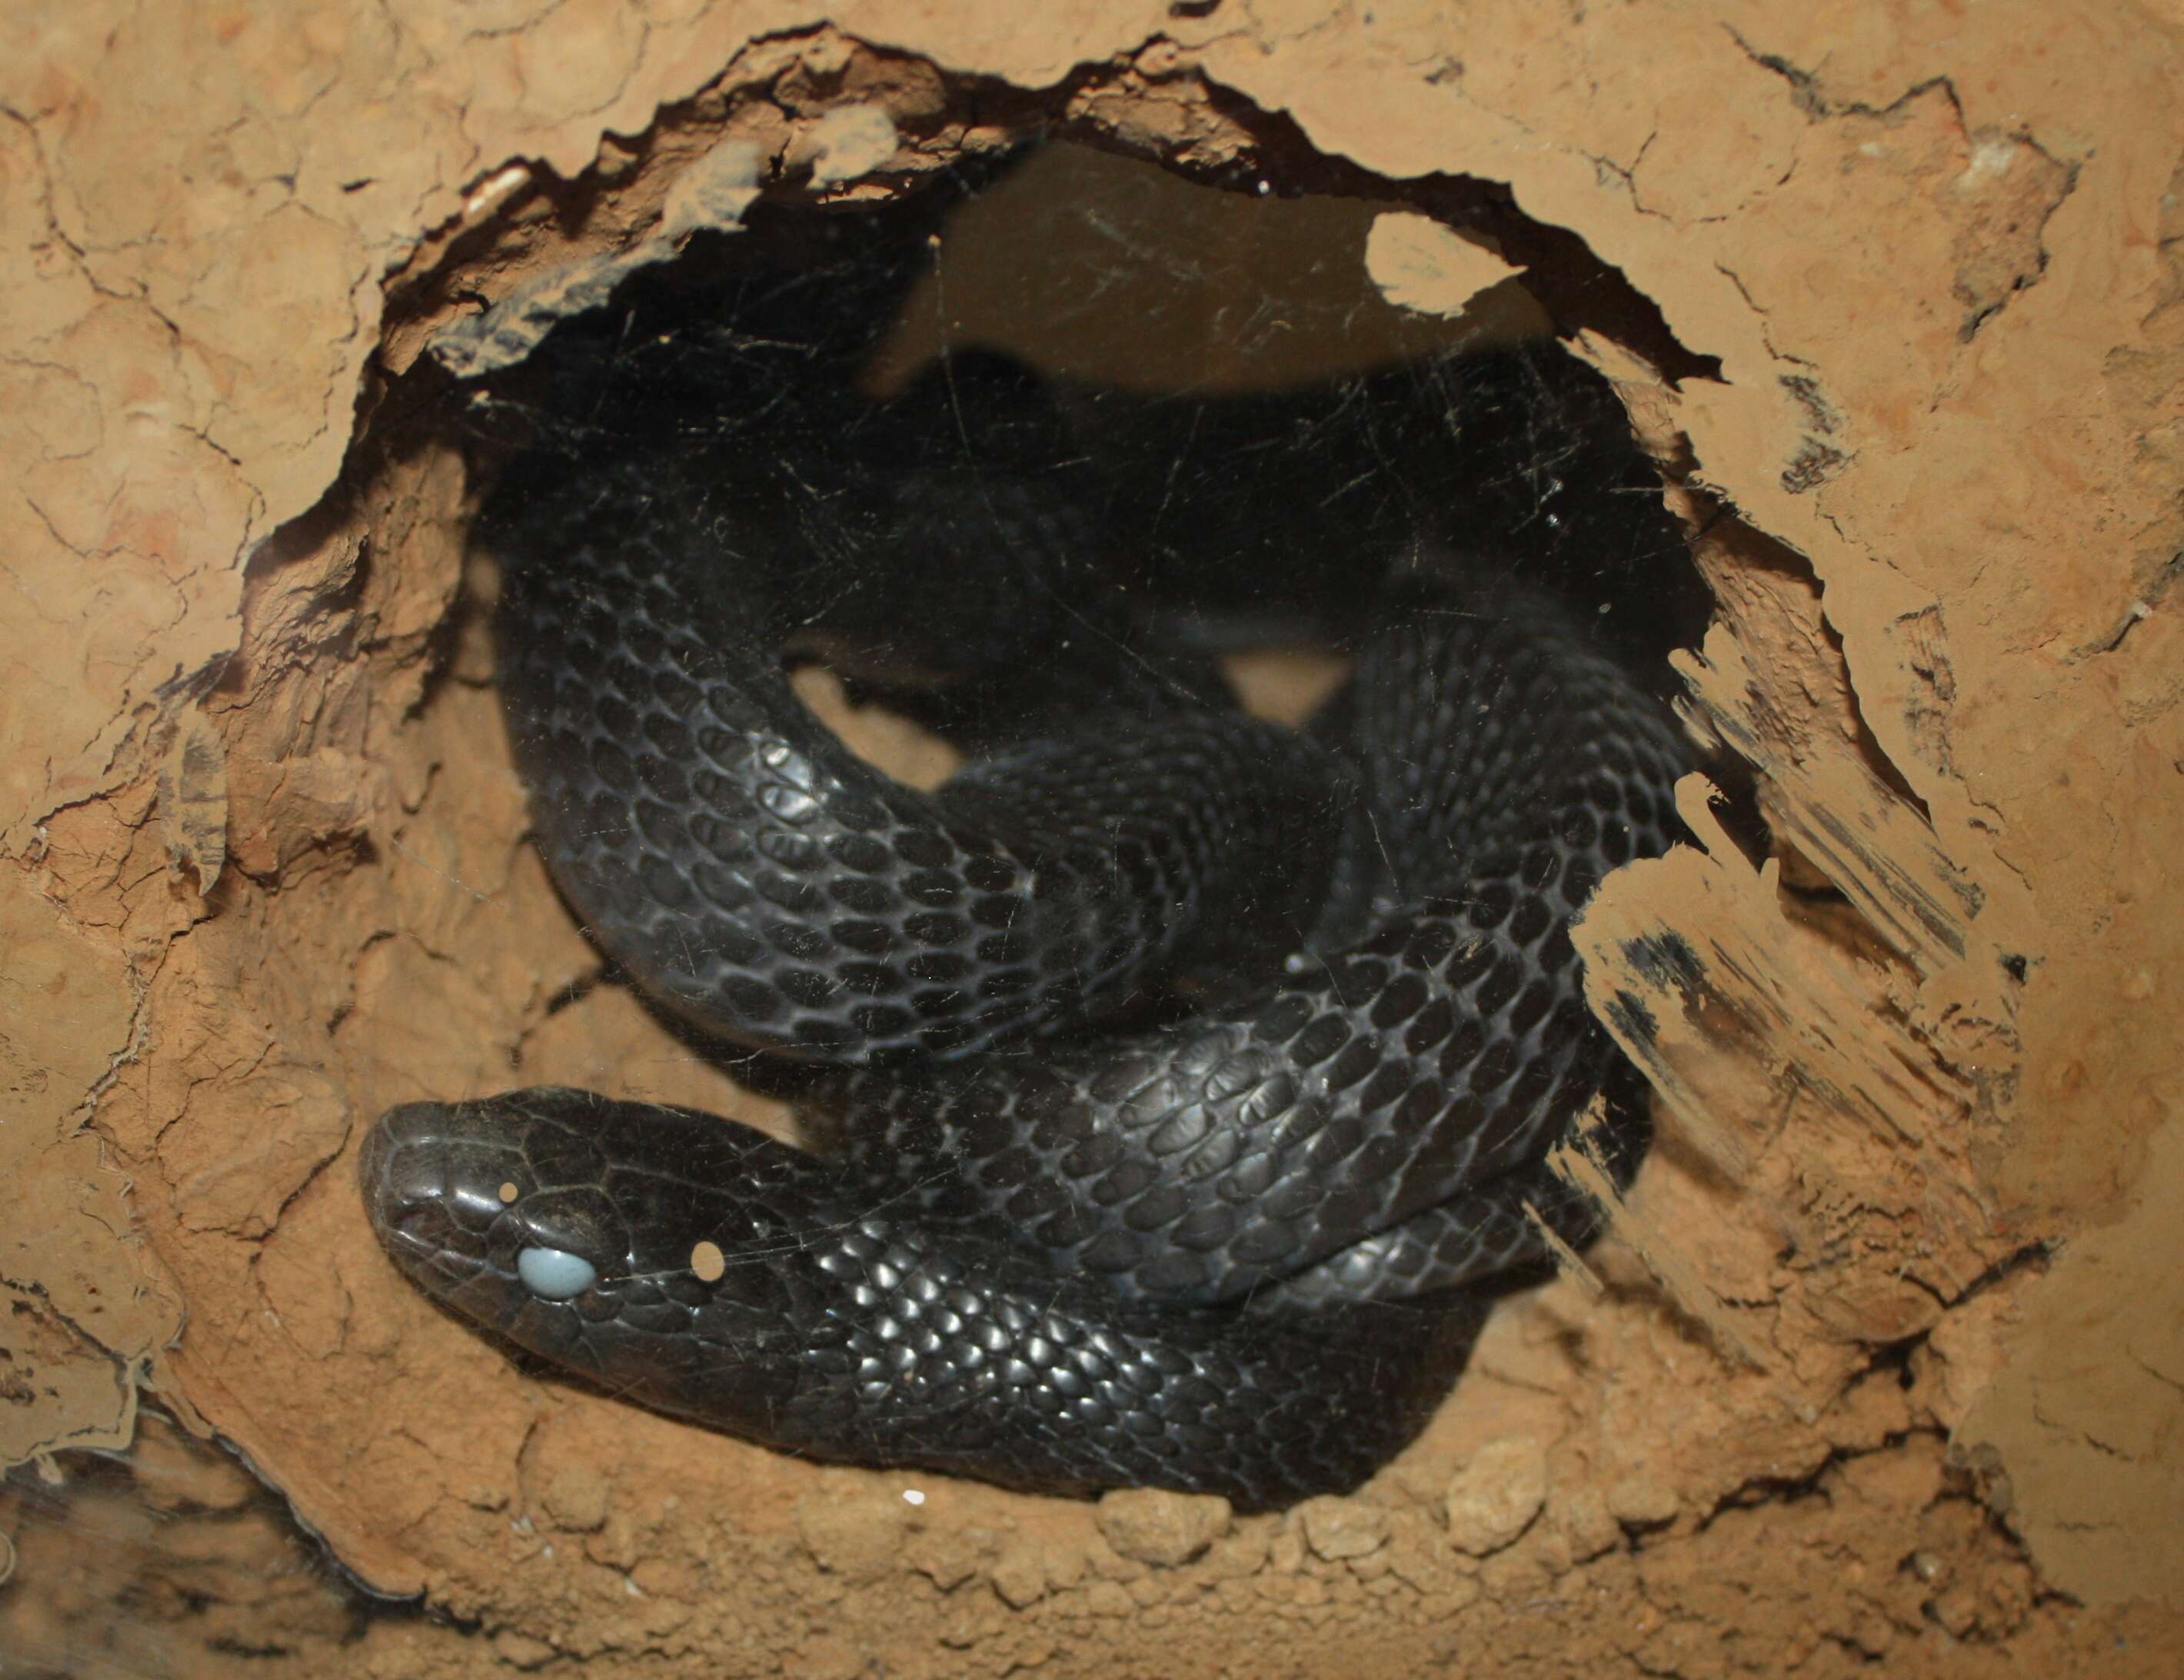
<point>381,1158</point>
<point>428,1187</point>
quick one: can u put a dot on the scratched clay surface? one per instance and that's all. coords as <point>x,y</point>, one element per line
<point>1884,1361</point>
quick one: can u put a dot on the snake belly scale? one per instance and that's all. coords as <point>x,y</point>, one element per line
<point>1177,1080</point>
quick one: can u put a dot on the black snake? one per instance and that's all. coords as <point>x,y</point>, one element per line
<point>1179,1078</point>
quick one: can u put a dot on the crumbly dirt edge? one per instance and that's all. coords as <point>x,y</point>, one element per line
<point>1953,672</point>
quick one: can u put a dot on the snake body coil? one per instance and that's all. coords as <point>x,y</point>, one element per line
<point>1178,1077</point>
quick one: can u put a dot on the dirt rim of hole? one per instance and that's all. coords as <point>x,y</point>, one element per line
<point>298,892</point>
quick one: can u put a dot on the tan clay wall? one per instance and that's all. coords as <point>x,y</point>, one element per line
<point>1903,1262</point>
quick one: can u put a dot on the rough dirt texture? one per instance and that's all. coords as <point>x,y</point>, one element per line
<point>1885,1360</point>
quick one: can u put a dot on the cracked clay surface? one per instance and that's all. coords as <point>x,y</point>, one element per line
<point>1882,1361</point>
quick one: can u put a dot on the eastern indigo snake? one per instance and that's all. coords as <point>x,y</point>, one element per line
<point>1179,1078</point>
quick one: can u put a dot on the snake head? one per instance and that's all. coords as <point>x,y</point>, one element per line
<point>494,1205</point>
<point>591,1232</point>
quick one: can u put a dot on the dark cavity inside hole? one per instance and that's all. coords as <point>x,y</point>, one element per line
<point>1260,433</point>
<point>1258,430</point>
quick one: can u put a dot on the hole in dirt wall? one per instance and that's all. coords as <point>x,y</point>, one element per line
<point>424,954</point>
<point>1315,301</point>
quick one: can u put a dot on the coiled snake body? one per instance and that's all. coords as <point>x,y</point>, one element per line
<point>1179,1077</point>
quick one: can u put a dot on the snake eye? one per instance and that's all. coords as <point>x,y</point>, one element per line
<point>555,1274</point>
<point>566,1240</point>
